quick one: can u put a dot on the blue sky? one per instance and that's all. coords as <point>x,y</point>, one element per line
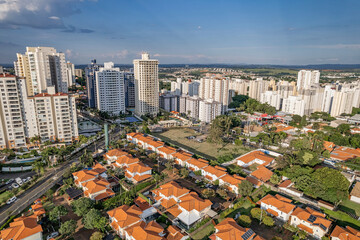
<point>196,31</point>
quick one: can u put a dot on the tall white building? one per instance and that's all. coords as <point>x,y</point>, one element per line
<point>146,85</point>
<point>110,89</point>
<point>70,72</point>
<point>208,110</point>
<point>216,90</point>
<point>273,98</point>
<point>12,134</point>
<point>307,78</point>
<point>42,67</point>
<point>294,105</point>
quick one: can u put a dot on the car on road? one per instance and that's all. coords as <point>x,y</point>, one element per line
<point>52,235</point>
<point>11,200</point>
<point>15,185</point>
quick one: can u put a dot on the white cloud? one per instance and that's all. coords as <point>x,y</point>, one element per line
<point>36,13</point>
<point>117,55</point>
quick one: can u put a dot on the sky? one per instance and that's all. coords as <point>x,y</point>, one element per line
<point>185,31</point>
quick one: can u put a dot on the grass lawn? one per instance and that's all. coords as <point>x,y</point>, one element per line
<point>351,207</point>
<point>342,218</point>
<point>177,136</point>
<point>5,196</point>
<point>204,233</point>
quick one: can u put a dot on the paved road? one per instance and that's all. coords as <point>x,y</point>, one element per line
<point>51,177</point>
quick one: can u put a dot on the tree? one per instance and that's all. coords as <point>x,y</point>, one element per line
<point>97,236</point>
<point>268,221</point>
<point>222,193</point>
<point>184,172</point>
<point>344,129</point>
<point>257,213</point>
<point>57,212</point>
<point>68,227</point>
<point>208,193</point>
<point>275,179</point>
<point>153,156</point>
<point>245,188</point>
<point>244,220</point>
<point>93,219</point>
<point>82,206</point>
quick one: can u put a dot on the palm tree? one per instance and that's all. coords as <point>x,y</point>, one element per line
<point>38,167</point>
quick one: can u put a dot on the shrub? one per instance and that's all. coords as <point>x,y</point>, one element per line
<point>268,221</point>
<point>244,220</point>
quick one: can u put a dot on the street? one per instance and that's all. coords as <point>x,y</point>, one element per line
<point>51,177</point>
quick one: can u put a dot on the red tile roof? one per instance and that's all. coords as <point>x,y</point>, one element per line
<point>20,228</point>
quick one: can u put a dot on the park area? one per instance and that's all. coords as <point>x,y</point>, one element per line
<point>178,137</point>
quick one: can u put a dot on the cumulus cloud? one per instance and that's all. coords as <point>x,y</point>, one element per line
<point>43,14</point>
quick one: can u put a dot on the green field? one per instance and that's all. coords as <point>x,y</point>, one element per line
<point>350,206</point>
<point>5,196</point>
<point>177,136</point>
<point>204,233</point>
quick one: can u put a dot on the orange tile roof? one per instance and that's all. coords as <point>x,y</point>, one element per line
<point>232,180</point>
<point>143,231</point>
<point>21,228</point>
<point>38,209</point>
<point>168,203</point>
<point>142,203</point>
<point>85,175</point>
<point>345,153</point>
<point>127,159</point>
<point>174,233</point>
<point>256,155</point>
<point>218,172</point>
<point>279,202</point>
<point>285,183</point>
<point>156,144</point>
<point>175,211</point>
<point>193,201</point>
<point>228,229</point>
<point>115,153</point>
<point>138,168</point>
<point>272,212</point>
<point>305,228</point>
<point>329,145</point>
<point>347,233</point>
<point>134,134</point>
<point>167,150</point>
<point>96,185</point>
<point>182,156</point>
<point>356,190</point>
<point>171,189</point>
<point>125,215</point>
<point>253,180</point>
<point>200,163</point>
<point>139,178</point>
<point>262,173</point>
<point>108,193</point>
<point>304,214</point>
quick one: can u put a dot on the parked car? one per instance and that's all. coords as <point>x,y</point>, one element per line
<point>29,178</point>
<point>52,235</point>
<point>9,181</point>
<point>18,181</point>
<point>11,200</point>
<point>24,180</point>
<point>15,185</point>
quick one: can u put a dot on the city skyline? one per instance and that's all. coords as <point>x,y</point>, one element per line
<point>276,32</point>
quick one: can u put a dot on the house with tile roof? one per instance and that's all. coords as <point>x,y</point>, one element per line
<point>132,137</point>
<point>355,130</point>
<point>355,193</point>
<point>124,217</point>
<point>329,146</point>
<point>311,221</point>
<point>253,157</point>
<point>113,154</point>
<point>23,228</point>
<point>196,164</point>
<point>138,172</point>
<point>98,189</point>
<point>190,210</point>
<point>348,233</point>
<point>147,210</point>
<point>277,206</point>
<point>145,231</point>
<point>154,145</point>
<point>181,157</point>
<point>166,152</point>
<point>169,194</point>
<point>228,229</point>
<point>89,174</point>
<point>213,173</point>
<point>344,153</point>
<point>125,161</point>
<point>174,233</point>
<point>231,182</point>
<point>262,174</point>
<point>287,186</point>
<point>38,210</point>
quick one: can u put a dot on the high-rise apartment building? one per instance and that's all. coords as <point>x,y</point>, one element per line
<point>307,78</point>
<point>52,116</point>
<point>146,85</point>
<point>42,67</point>
<point>208,110</point>
<point>216,90</point>
<point>70,72</point>
<point>110,89</point>
<point>129,83</point>
<point>91,83</point>
<point>12,134</point>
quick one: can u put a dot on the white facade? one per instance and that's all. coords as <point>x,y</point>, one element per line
<point>110,89</point>
<point>307,78</point>
<point>146,85</point>
<point>273,98</point>
<point>216,90</point>
<point>70,72</point>
<point>294,105</point>
<point>208,110</point>
<point>42,67</point>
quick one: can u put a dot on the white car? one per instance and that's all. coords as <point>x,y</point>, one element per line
<point>29,178</point>
<point>52,235</point>
<point>24,180</point>
<point>15,185</point>
<point>11,200</point>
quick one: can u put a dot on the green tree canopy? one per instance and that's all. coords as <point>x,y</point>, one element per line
<point>68,227</point>
<point>57,212</point>
<point>82,206</point>
<point>245,188</point>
